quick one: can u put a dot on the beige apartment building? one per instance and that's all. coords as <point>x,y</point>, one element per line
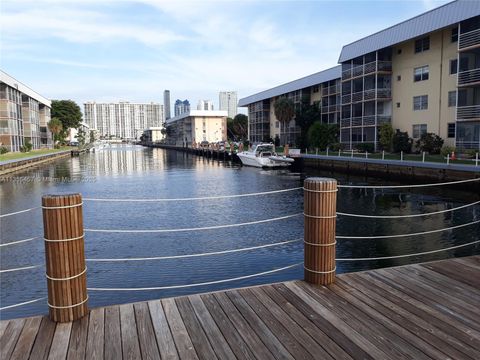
<point>24,115</point>
<point>197,126</point>
<point>422,75</point>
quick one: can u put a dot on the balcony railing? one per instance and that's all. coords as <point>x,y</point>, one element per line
<point>368,120</point>
<point>468,112</point>
<point>369,94</point>
<point>357,96</point>
<point>469,39</point>
<point>325,91</point>
<point>469,77</point>
<point>346,99</point>
<point>369,68</point>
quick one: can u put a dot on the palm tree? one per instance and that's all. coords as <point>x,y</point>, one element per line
<point>56,127</point>
<point>284,111</point>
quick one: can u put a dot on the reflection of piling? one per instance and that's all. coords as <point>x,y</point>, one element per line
<point>320,200</point>
<point>65,257</point>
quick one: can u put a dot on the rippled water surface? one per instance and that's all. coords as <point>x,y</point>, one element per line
<point>135,172</point>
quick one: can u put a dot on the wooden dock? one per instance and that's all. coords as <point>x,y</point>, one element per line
<point>424,311</point>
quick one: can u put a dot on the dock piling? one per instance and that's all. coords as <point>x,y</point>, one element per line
<point>320,203</point>
<point>65,257</point>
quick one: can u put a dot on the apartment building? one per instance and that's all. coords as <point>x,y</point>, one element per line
<point>181,107</point>
<point>421,75</point>
<point>205,105</point>
<point>123,120</point>
<point>321,89</point>
<point>197,126</point>
<point>227,101</point>
<point>24,115</point>
<point>166,104</point>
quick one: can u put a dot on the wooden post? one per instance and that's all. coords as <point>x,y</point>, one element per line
<point>65,257</point>
<point>320,204</point>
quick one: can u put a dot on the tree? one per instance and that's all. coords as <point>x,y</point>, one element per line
<point>305,115</point>
<point>430,143</point>
<point>322,135</point>
<point>69,114</point>
<point>81,136</point>
<point>284,111</point>
<point>386,136</point>
<point>238,126</point>
<point>56,127</point>
<point>402,142</point>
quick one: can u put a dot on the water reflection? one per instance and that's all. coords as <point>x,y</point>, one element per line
<point>139,173</point>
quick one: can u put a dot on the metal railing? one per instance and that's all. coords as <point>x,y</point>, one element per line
<point>469,77</point>
<point>468,112</point>
<point>469,39</point>
<point>368,68</point>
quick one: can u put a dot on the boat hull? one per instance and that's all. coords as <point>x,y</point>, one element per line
<point>261,162</point>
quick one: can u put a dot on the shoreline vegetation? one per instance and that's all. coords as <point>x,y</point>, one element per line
<point>22,155</point>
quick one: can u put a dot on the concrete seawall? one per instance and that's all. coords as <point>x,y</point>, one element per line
<point>10,166</point>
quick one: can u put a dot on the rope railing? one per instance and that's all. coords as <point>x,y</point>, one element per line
<point>22,303</point>
<point>19,212</point>
<point>407,186</point>
<point>199,284</point>
<point>19,241</point>
<point>195,198</point>
<point>407,216</point>
<point>20,268</point>
<point>409,255</point>
<point>196,255</point>
<point>193,229</point>
<point>405,235</point>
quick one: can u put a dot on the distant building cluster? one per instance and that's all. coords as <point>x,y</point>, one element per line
<point>181,107</point>
<point>205,105</point>
<point>123,120</point>
<point>24,116</point>
<point>228,102</point>
<point>422,75</point>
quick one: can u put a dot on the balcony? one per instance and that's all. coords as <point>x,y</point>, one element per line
<point>346,99</point>
<point>357,96</point>
<point>345,123</point>
<point>363,121</point>
<point>469,77</point>
<point>369,68</point>
<point>466,113</point>
<point>469,39</point>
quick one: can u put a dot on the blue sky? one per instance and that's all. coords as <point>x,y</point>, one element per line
<point>132,50</point>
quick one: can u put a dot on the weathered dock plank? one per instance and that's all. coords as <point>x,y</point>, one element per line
<point>422,311</point>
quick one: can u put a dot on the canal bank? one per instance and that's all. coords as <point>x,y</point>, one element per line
<point>10,166</point>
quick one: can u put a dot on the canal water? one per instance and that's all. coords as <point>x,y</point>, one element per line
<point>134,172</point>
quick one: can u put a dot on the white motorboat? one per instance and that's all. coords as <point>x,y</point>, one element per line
<point>264,155</point>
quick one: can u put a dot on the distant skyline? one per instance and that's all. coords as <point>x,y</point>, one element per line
<point>111,51</point>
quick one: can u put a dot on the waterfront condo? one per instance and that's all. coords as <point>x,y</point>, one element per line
<point>421,75</point>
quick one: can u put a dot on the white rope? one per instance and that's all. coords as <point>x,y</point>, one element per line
<point>192,229</point>
<point>320,245</point>
<point>197,284</point>
<point>195,255</point>
<point>18,212</point>
<point>404,235</point>
<point>320,217</point>
<point>194,198</point>
<point>63,240</point>
<point>18,241</point>
<point>68,306</point>
<point>320,191</point>
<point>409,255</point>
<point>408,216</point>
<point>405,186</point>
<point>20,268</point>
<point>62,207</point>
<point>67,278</point>
<point>22,303</point>
<point>320,272</point>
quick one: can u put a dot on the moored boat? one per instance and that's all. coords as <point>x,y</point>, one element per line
<point>264,156</point>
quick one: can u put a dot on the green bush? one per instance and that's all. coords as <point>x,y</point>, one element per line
<point>386,136</point>
<point>365,147</point>
<point>430,143</point>
<point>471,153</point>
<point>337,146</point>
<point>402,142</point>
<point>322,135</point>
<point>3,150</point>
<point>447,150</point>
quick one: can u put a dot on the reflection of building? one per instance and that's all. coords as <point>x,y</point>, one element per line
<point>421,75</point>
<point>123,120</point>
<point>166,104</point>
<point>205,105</point>
<point>153,135</point>
<point>321,89</point>
<point>24,116</point>
<point>181,107</point>
<point>227,100</point>
<point>197,126</point>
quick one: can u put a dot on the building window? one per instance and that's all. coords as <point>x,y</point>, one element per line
<point>455,34</point>
<point>315,89</point>
<point>420,73</point>
<point>398,105</point>
<point>422,44</point>
<point>399,77</point>
<point>452,98</point>
<point>277,124</point>
<point>451,130</point>
<point>418,130</point>
<point>399,51</point>
<point>420,102</point>
<point>453,66</point>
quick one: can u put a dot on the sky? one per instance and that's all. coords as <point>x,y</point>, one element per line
<point>110,51</point>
